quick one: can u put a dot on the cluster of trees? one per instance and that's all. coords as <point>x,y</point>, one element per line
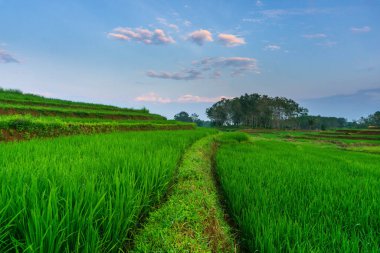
<point>262,111</point>
<point>254,110</point>
<point>372,120</point>
<point>185,117</point>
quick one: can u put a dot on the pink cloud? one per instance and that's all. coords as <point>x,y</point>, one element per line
<point>188,98</point>
<point>152,97</point>
<point>230,40</point>
<point>200,37</point>
<point>154,37</point>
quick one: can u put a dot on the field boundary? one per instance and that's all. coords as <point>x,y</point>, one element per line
<point>191,219</point>
<point>45,131</point>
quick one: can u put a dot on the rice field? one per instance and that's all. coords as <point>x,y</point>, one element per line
<point>301,197</point>
<point>84,193</point>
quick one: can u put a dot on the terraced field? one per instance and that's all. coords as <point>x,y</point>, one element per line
<point>25,116</point>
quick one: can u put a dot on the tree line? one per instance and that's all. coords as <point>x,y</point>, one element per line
<point>262,111</point>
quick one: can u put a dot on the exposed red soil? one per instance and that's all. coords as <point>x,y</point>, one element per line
<point>33,103</point>
<point>348,137</point>
<point>15,111</point>
<point>367,132</point>
<point>9,135</point>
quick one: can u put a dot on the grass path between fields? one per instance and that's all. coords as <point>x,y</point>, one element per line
<point>192,219</point>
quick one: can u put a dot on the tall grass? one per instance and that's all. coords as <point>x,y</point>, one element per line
<point>83,193</point>
<point>292,197</point>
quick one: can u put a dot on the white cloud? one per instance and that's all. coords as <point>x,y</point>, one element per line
<point>153,97</point>
<point>253,20</point>
<point>314,36</point>
<point>6,57</point>
<point>188,98</point>
<point>259,3</point>
<point>275,13</point>
<point>230,40</point>
<point>364,29</point>
<point>327,44</point>
<point>272,47</point>
<point>187,23</point>
<point>154,37</point>
<point>198,99</point>
<point>200,37</point>
<point>164,22</point>
<point>211,68</point>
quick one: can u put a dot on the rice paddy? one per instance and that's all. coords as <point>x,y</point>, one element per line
<point>83,193</point>
<point>301,197</point>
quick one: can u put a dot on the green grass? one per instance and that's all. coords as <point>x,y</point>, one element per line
<point>84,193</point>
<point>18,127</point>
<point>191,220</point>
<point>75,112</point>
<point>17,97</point>
<point>302,197</point>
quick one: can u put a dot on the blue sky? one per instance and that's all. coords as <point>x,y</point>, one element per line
<point>184,55</point>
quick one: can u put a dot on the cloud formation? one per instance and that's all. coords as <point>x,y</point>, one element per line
<point>259,3</point>
<point>230,40</point>
<point>187,74</point>
<point>188,98</point>
<point>211,68</point>
<point>152,97</point>
<point>164,22</point>
<point>200,37</point>
<point>148,37</point>
<point>6,57</point>
<point>272,47</point>
<point>276,13</point>
<point>314,36</point>
<point>364,29</point>
<point>327,44</point>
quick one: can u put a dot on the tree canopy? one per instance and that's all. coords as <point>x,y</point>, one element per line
<point>262,111</point>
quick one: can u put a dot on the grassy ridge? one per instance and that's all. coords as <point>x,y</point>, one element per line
<point>17,97</point>
<point>20,127</point>
<point>83,193</point>
<point>191,220</point>
<point>9,109</point>
<point>301,197</point>
<point>26,116</point>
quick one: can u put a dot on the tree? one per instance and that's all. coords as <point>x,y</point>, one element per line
<point>183,116</point>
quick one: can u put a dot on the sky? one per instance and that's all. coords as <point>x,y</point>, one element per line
<point>170,56</point>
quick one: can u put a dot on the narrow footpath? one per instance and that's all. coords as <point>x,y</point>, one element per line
<point>191,219</point>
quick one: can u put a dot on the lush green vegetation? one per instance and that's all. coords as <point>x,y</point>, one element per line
<point>74,112</point>
<point>25,116</point>
<point>262,111</point>
<point>18,97</point>
<point>26,127</point>
<point>191,220</point>
<point>83,193</point>
<point>301,197</point>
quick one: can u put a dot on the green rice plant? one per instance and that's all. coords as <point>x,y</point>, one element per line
<point>76,112</point>
<point>84,193</point>
<point>302,197</point>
